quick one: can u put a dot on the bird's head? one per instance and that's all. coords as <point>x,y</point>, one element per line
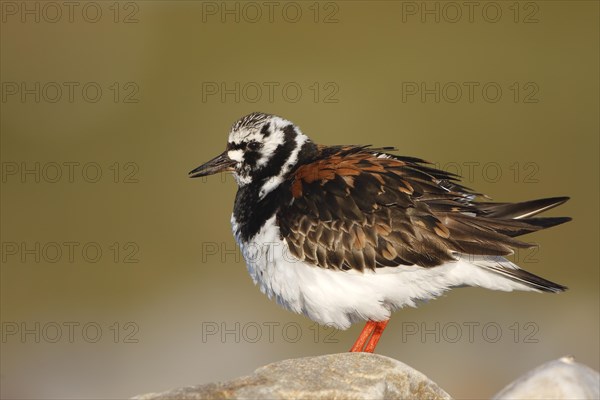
<point>261,148</point>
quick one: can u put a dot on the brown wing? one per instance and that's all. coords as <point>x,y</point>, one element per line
<point>358,208</point>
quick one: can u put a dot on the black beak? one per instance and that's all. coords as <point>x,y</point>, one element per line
<point>218,164</point>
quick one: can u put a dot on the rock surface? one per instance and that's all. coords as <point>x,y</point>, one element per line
<point>372,376</point>
<point>345,375</point>
<point>559,379</point>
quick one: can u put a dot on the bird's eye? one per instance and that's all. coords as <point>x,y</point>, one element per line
<point>253,145</point>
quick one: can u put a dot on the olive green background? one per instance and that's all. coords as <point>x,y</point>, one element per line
<point>362,61</point>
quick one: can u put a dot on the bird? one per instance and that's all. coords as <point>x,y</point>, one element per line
<point>350,233</point>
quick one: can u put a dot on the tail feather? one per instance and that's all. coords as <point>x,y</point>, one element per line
<point>505,268</point>
<point>525,209</point>
<point>528,225</point>
<point>515,219</point>
<point>493,227</point>
<point>531,280</point>
<point>546,222</point>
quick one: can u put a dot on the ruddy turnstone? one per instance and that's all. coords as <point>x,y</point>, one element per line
<point>344,234</point>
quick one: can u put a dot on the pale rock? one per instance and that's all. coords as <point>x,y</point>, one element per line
<point>335,376</point>
<point>559,379</point>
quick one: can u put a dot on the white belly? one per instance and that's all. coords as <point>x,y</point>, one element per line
<point>340,298</point>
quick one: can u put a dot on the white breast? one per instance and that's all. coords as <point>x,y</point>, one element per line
<point>340,298</point>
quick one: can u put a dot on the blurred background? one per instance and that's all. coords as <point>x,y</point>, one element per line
<point>120,275</point>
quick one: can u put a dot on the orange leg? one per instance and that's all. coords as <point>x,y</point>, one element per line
<point>362,338</point>
<point>379,327</point>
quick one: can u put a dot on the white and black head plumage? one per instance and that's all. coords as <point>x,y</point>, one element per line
<point>265,148</point>
<point>262,152</point>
